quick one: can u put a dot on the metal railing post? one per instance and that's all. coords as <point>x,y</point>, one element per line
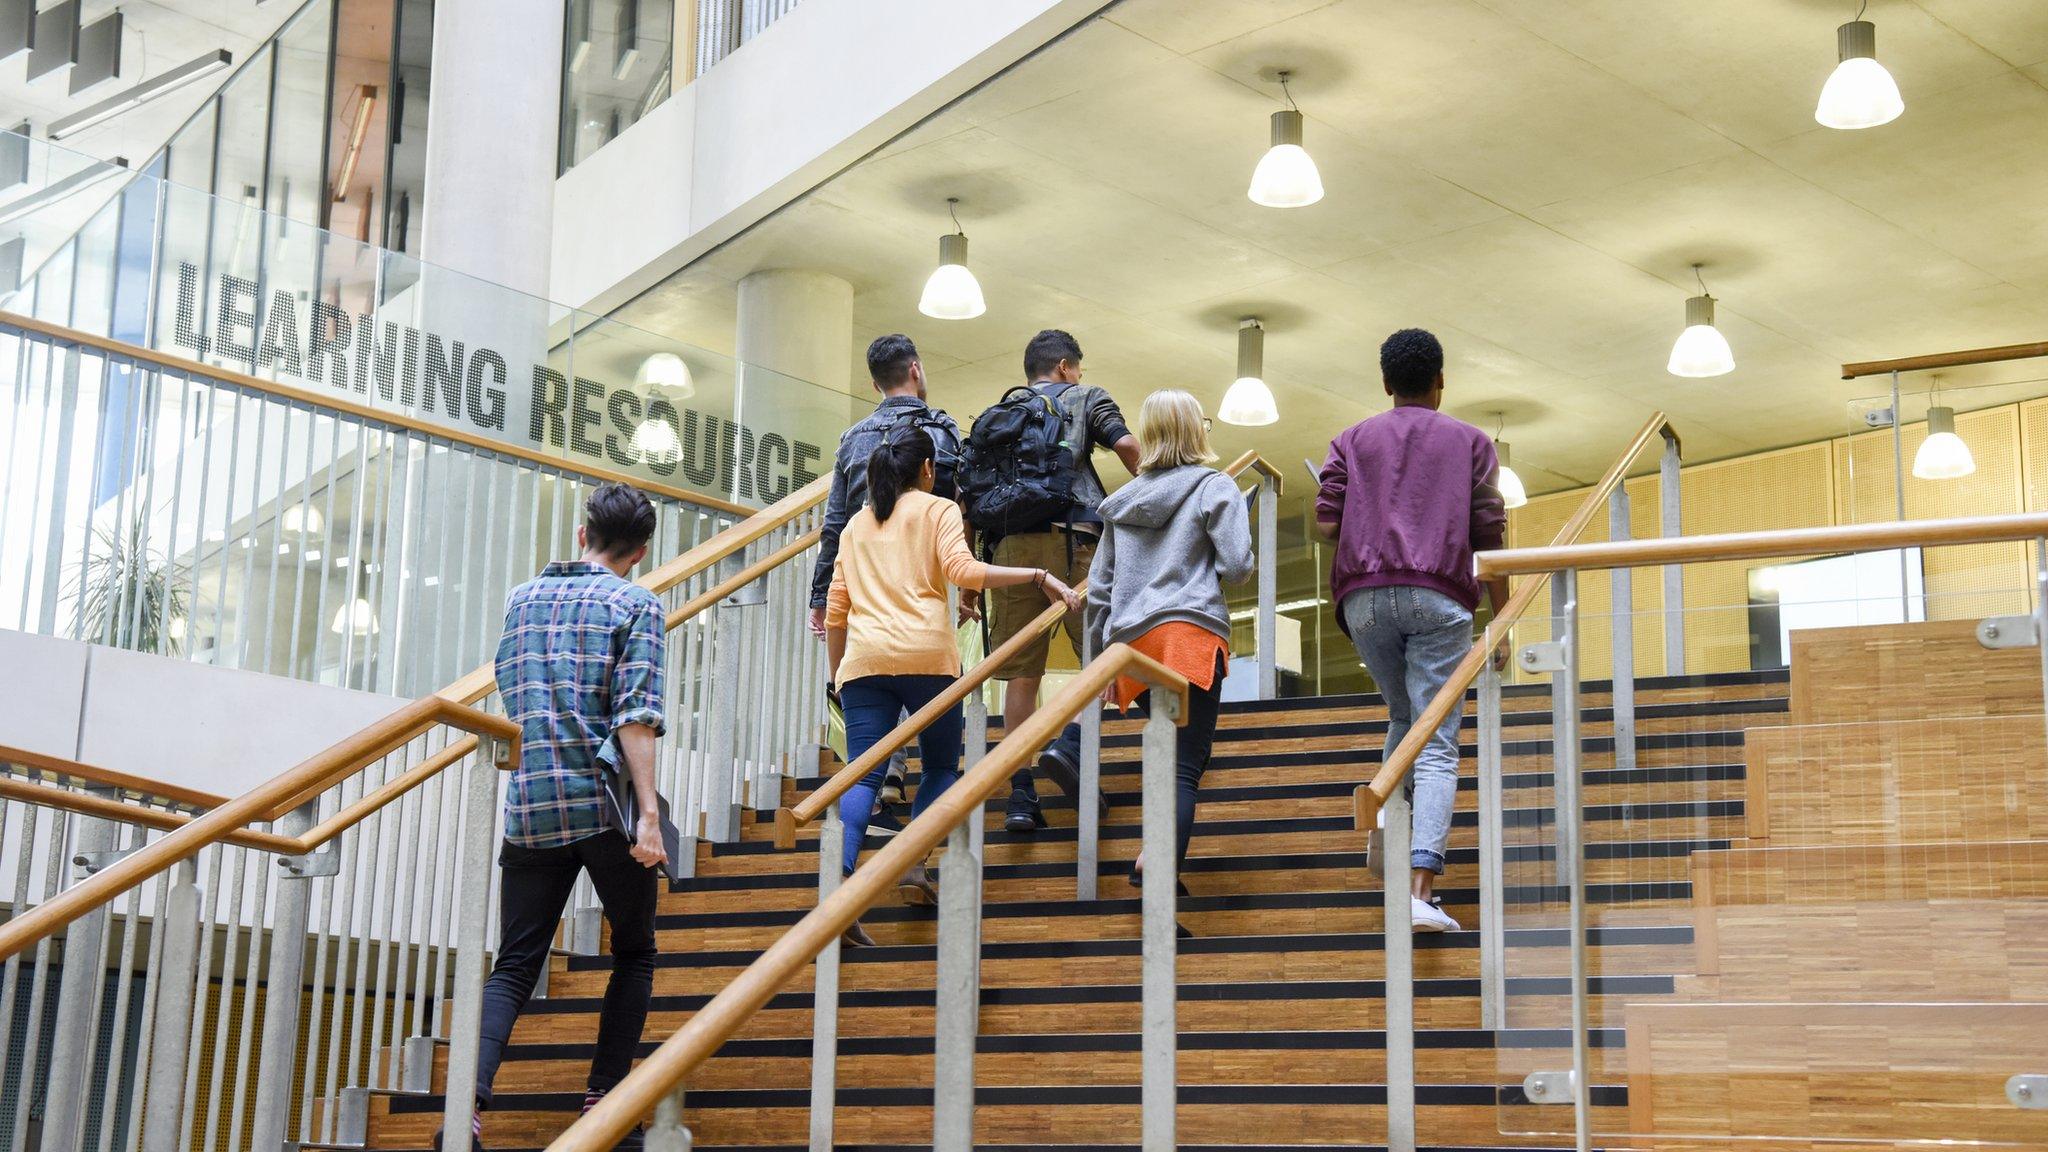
<point>1396,837</point>
<point>1624,694</point>
<point>1670,518</point>
<point>80,976</point>
<point>825,990</point>
<point>1570,821</point>
<point>667,1133</point>
<point>479,821</point>
<point>1560,686</point>
<point>1492,862</point>
<point>1269,589</point>
<point>1088,805</point>
<point>1159,1038</point>
<point>958,1000</point>
<point>2041,614</point>
<point>721,806</point>
<point>163,1116</point>
<point>289,916</point>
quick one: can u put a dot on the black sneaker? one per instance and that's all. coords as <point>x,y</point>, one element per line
<point>1024,814</point>
<point>1055,765</point>
<point>883,824</point>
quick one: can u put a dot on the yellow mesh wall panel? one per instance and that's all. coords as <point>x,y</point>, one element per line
<point>2033,420</point>
<point>1789,488</point>
<point>1962,583</point>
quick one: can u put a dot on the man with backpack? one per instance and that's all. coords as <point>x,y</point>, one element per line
<point>898,375</point>
<point>1028,481</point>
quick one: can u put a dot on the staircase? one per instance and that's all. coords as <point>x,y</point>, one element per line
<point>1280,993</point>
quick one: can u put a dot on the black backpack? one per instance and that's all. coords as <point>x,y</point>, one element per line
<point>1017,469</point>
<point>945,446</point>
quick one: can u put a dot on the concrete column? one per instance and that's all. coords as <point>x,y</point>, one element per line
<point>795,345</point>
<point>492,125</point>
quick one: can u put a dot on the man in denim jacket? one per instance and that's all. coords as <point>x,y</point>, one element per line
<point>898,375</point>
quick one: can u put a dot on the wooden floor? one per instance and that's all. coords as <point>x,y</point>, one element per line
<point>1281,1009</point>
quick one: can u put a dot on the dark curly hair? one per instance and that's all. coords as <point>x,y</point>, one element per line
<point>617,518</point>
<point>1410,361</point>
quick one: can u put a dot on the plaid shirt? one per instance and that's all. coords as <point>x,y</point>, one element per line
<point>581,655</point>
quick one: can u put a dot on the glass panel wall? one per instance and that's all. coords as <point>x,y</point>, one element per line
<point>618,61</point>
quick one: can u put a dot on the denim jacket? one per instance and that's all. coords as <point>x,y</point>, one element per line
<point>850,473</point>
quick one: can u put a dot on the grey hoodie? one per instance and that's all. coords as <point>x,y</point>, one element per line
<point>1168,538</point>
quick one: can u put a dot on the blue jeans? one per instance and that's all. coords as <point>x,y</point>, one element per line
<point>872,706</point>
<point>1411,639</point>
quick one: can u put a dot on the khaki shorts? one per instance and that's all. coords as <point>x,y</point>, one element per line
<point>1010,609</point>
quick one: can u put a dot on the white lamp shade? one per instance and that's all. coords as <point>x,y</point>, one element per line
<point>1943,455</point>
<point>1859,94</point>
<point>952,293</point>
<point>1286,178</point>
<point>1248,403</point>
<point>357,619</point>
<point>655,442</point>
<point>304,520</point>
<point>668,372</point>
<point>1512,493</point>
<point>1701,350</point>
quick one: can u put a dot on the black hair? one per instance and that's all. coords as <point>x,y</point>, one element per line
<point>1046,350</point>
<point>617,518</point>
<point>890,358</point>
<point>894,466</point>
<point>1410,362</point>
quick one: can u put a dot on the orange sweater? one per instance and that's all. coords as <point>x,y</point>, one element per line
<point>889,589</point>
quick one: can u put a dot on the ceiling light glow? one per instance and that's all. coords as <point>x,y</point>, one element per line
<point>1859,93</point>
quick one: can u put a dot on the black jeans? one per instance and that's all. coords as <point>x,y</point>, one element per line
<point>1192,744</point>
<point>531,897</point>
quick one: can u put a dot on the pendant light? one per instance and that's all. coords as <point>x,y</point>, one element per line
<point>1943,455</point>
<point>1859,93</point>
<point>655,441</point>
<point>1286,176</point>
<point>1249,402</point>
<point>357,619</point>
<point>1512,493</point>
<point>952,293</point>
<point>1701,350</point>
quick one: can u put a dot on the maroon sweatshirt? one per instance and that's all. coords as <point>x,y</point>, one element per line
<point>1412,491</point>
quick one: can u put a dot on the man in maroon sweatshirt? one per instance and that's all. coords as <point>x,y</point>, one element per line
<point>1408,496</point>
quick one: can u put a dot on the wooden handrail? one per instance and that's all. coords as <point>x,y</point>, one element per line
<point>1369,797</point>
<point>788,820</point>
<point>108,808</point>
<point>266,801</point>
<point>337,403</point>
<point>107,778</point>
<point>742,578</point>
<point>1765,545</point>
<point>1938,360</point>
<point>714,1024</point>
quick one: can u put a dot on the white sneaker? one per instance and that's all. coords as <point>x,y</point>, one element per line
<point>1428,917</point>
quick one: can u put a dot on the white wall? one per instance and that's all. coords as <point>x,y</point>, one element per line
<point>213,729</point>
<point>822,87</point>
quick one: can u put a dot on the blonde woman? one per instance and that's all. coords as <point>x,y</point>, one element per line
<point>1171,539</point>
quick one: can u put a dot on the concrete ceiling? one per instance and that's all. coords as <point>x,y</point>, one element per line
<point>158,35</point>
<point>1532,179</point>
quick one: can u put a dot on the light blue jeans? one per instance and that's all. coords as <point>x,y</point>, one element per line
<point>1411,639</point>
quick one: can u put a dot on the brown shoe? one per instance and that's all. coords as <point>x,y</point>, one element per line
<point>916,888</point>
<point>856,936</point>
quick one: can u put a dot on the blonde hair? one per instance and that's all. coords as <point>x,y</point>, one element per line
<point>1171,431</point>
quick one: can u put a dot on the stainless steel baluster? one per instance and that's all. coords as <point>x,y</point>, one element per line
<point>1622,581</point>
<point>175,972</point>
<point>1571,815</point>
<point>1492,855</point>
<point>79,978</point>
<point>958,998</point>
<point>283,979</point>
<point>1159,1092</point>
<point>479,825</point>
<point>1398,930</point>
<point>825,990</point>
<point>1269,588</point>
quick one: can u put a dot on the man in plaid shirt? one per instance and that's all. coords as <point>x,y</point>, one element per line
<point>579,667</point>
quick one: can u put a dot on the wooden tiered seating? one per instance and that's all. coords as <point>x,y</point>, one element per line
<point>1281,1001</point>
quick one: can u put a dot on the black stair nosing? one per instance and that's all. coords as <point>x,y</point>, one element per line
<point>1285,1040</point>
<point>1279,825</point>
<point>1049,1095</point>
<point>1209,865</point>
<point>1240,991</point>
<point>1327,899</point>
<point>1636,935</point>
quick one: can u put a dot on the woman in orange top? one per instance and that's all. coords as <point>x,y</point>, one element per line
<point>889,630</point>
<point>1171,538</point>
